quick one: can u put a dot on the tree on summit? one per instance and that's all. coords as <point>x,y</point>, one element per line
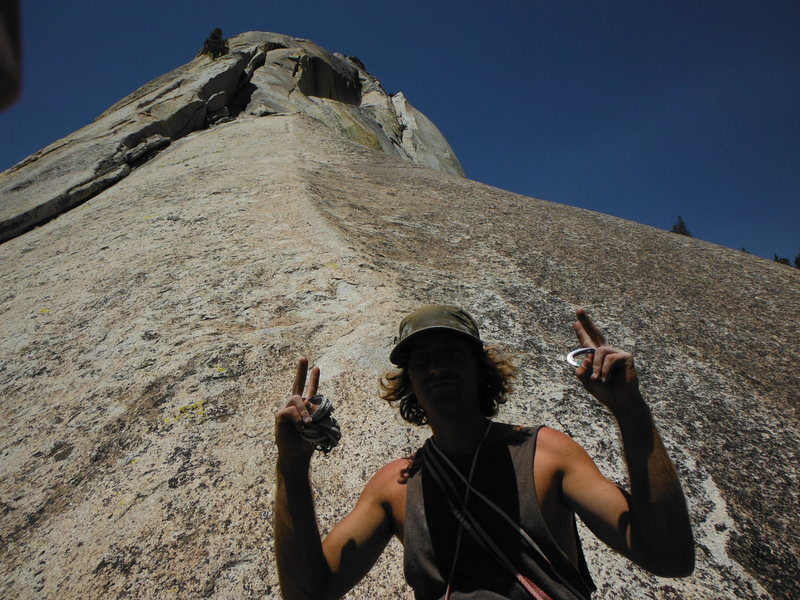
<point>215,46</point>
<point>680,227</point>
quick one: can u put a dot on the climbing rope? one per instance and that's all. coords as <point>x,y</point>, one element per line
<point>323,432</point>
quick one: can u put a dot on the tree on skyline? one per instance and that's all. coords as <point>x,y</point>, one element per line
<point>215,46</point>
<point>785,261</point>
<point>680,227</point>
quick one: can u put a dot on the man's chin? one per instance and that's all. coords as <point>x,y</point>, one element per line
<point>446,398</point>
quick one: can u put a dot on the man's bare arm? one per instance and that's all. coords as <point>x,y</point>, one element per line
<point>357,541</point>
<point>302,568</point>
<point>650,524</point>
<point>307,567</point>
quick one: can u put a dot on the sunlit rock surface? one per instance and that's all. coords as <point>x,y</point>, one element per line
<point>265,73</point>
<point>149,334</point>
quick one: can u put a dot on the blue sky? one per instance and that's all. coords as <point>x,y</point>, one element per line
<point>642,110</point>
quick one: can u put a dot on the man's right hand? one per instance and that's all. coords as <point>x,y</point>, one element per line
<point>307,567</point>
<point>296,414</point>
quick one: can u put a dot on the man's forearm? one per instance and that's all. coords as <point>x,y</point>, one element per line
<point>302,567</point>
<point>661,534</point>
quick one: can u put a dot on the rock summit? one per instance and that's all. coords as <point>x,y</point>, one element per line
<point>164,267</point>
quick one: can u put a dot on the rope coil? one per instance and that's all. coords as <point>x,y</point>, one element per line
<point>323,432</point>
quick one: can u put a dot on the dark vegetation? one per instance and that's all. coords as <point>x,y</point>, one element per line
<point>680,227</point>
<point>785,261</point>
<point>215,45</point>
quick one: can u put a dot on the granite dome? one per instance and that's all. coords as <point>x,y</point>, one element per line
<point>231,215</point>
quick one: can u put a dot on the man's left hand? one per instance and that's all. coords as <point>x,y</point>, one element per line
<point>610,375</point>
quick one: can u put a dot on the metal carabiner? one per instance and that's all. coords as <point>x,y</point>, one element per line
<point>572,357</point>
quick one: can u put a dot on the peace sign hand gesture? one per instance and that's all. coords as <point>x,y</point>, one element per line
<point>609,374</point>
<point>296,414</point>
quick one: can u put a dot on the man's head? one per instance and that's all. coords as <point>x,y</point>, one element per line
<point>440,355</point>
<point>432,318</point>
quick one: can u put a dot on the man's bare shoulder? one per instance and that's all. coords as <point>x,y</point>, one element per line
<point>548,440</point>
<point>390,476</point>
<point>551,440</point>
<point>558,455</point>
<point>387,488</point>
<point>556,452</point>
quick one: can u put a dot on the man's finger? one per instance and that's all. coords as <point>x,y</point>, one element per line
<point>612,361</point>
<point>584,373</point>
<point>590,328</point>
<point>583,338</point>
<point>300,376</point>
<point>598,360</point>
<point>583,368</point>
<point>296,411</point>
<point>312,384</point>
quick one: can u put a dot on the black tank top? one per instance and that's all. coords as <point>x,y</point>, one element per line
<point>503,473</point>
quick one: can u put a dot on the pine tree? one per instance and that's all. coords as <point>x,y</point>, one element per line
<point>680,227</point>
<point>215,46</point>
<point>785,261</point>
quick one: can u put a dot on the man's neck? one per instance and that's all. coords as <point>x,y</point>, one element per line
<point>460,438</point>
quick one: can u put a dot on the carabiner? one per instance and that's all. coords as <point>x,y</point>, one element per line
<point>572,356</point>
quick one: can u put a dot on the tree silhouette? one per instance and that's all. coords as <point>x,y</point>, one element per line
<point>680,227</point>
<point>785,261</point>
<point>215,46</point>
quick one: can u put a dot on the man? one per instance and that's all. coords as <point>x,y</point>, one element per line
<point>484,510</point>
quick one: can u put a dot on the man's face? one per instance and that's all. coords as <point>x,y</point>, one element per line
<point>443,370</point>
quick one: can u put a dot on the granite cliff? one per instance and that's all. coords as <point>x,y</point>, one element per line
<point>231,215</point>
<point>264,74</point>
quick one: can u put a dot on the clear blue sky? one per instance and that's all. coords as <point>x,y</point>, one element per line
<point>641,109</point>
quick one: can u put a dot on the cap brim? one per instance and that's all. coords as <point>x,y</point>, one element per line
<point>398,355</point>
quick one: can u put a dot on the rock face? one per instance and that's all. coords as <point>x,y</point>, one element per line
<point>149,334</point>
<point>265,73</point>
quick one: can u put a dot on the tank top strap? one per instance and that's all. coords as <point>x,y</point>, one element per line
<point>532,520</point>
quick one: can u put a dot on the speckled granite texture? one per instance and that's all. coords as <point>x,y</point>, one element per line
<point>149,334</point>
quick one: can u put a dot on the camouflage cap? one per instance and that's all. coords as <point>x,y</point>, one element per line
<point>432,316</point>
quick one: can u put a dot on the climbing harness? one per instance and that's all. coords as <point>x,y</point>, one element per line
<point>323,432</point>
